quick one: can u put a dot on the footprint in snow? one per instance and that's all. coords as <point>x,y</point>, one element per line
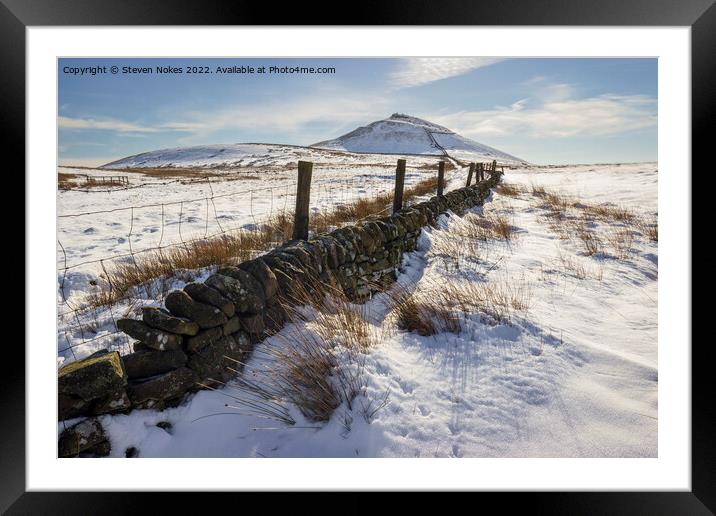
<point>424,411</point>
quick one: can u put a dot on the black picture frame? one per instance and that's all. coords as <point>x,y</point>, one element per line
<point>700,15</point>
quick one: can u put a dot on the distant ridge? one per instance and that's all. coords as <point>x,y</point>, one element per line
<point>399,134</point>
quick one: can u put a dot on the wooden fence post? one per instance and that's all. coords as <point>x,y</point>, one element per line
<point>399,183</point>
<point>469,173</point>
<point>441,177</point>
<point>494,166</point>
<point>480,175</point>
<point>303,196</point>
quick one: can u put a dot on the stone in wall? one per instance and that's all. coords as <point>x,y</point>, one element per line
<point>85,439</point>
<point>203,339</point>
<point>162,320</point>
<point>211,365</point>
<point>205,294</point>
<point>263,274</point>
<point>143,364</point>
<point>85,383</point>
<point>151,393</point>
<point>151,337</point>
<point>181,304</point>
<point>240,288</point>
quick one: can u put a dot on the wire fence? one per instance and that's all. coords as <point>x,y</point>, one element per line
<point>138,229</point>
<point>177,223</point>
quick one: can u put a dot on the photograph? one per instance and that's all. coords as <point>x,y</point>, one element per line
<point>357,257</point>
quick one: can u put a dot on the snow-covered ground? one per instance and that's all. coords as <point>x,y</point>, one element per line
<point>574,375</point>
<point>106,223</point>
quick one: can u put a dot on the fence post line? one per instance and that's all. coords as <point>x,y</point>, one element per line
<point>303,196</point>
<point>441,177</point>
<point>399,184</point>
<point>469,173</point>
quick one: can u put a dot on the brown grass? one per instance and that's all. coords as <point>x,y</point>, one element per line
<point>649,227</point>
<point>428,309</point>
<point>589,239</point>
<point>569,218</point>
<point>621,240</point>
<point>491,226</point>
<point>509,190</point>
<point>234,247</point>
<point>577,268</point>
<point>228,249</point>
<point>317,364</point>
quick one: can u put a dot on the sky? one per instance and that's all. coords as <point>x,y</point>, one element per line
<point>543,110</point>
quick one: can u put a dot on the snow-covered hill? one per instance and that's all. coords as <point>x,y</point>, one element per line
<point>399,134</point>
<point>226,155</point>
<point>403,134</point>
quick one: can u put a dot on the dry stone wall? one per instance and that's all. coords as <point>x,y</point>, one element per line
<point>207,329</point>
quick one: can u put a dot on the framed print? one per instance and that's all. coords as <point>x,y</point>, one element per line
<point>424,256</point>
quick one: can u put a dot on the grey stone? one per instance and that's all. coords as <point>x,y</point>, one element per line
<point>163,320</point>
<point>113,402</point>
<point>211,363</point>
<point>150,363</point>
<point>203,339</point>
<point>179,303</point>
<point>92,378</point>
<point>263,274</point>
<point>167,386</point>
<point>245,299</point>
<point>151,337</point>
<point>232,326</point>
<point>205,294</point>
<point>81,437</point>
<point>69,407</point>
<point>98,450</point>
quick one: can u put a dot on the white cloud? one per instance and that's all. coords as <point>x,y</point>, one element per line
<point>291,115</point>
<point>414,71</point>
<point>108,124</point>
<point>595,116</point>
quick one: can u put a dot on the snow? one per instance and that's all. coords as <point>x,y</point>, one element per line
<point>574,376</point>
<point>410,135</point>
<point>396,135</point>
<point>237,155</point>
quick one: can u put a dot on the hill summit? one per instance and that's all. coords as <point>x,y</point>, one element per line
<point>405,134</point>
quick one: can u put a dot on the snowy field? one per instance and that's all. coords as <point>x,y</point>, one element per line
<point>575,375</point>
<point>107,223</point>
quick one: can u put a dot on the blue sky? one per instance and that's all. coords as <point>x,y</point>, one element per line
<point>542,110</point>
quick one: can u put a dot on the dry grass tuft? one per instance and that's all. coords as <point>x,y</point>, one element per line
<point>577,268</point>
<point>569,218</point>
<point>319,362</point>
<point>649,228</point>
<point>414,311</point>
<point>509,190</point>
<point>621,241</point>
<point>589,239</point>
<point>444,307</point>
<point>608,213</point>
<point>483,227</point>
